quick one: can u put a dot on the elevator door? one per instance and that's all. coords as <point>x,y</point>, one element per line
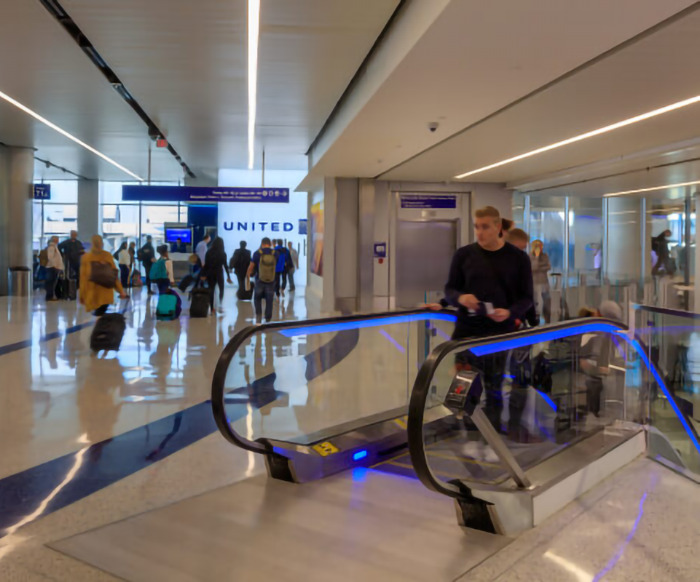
<point>423,254</point>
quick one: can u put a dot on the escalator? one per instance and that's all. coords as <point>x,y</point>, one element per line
<point>511,427</point>
<point>318,397</point>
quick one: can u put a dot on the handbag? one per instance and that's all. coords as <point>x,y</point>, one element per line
<point>104,275</point>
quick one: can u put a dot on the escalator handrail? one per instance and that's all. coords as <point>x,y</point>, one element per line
<point>421,389</point>
<point>218,388</point>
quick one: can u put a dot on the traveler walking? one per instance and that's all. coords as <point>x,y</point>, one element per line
<point>294,265</point>
<point>240,263</point>
<point>147,256</point>
<point>54,266</point>
<point>281,268</point>
<point>215,262</point>
<point>73,250</point>
<point>201,250</point>
<point>520,239</point>
<point>490,282</point>
<point>659,244</point>
<point>98,278</point>
<point>264,265</point>
<point>124,260</point>
<point>162,271</point>
<point>541,265</point>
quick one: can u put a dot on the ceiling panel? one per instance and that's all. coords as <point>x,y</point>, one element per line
<point>44,69</point>
<point>477,58</point>
<point>655,71</point>
<point>186,64</point>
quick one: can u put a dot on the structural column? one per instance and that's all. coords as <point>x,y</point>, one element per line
<point>16,176</point>
<point>626,223</point>
<point>88,209</point>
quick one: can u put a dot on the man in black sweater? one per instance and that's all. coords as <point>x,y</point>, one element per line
<point>490,282</point>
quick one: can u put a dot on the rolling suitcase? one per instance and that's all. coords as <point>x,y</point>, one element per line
<point>246,294</point>
<point>108,332</point>
<point>169,306</point>
<point>199,307</point>
<point>187,280</point>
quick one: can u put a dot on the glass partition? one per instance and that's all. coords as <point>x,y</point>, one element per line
<point>300,381</point>
<point>670,397</point>
<point>541,391</point>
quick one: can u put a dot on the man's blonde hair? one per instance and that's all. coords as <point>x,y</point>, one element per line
<point>517,234</point>
<point>488,212</point>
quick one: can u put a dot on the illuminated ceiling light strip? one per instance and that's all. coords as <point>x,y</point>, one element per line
<point>652,189</point>
<point>253,41</point>
<point>586,135</point>
<point>64,133</point>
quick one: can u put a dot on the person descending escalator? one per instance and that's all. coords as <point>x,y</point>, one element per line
<point>490,282</point>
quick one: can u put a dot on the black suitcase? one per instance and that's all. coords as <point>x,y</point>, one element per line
<point>199,307</point>
<point>187,280</point>
<point>244,295</point>
<point>108,332</point>
<point>71,289</point>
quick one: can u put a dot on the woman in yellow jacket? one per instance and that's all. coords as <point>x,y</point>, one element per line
<point>94,297</point>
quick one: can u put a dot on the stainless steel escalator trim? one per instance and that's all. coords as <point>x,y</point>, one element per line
<point>218,389</point>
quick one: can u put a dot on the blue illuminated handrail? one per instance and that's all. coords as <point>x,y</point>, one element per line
<point>494,344</point>
<point>293,328</point>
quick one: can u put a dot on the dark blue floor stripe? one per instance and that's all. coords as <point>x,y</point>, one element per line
<point>15,347</point>
<point>72,477</point>
<point>102,464</point>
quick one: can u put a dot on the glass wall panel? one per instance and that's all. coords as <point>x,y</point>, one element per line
<point>152,218</point>
<point>585,239</point>
<point>547,223</point>
<point>120,222</point>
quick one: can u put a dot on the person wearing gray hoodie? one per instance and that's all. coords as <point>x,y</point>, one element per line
<point>540,280</point>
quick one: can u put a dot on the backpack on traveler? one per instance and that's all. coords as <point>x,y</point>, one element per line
<point>44,257</point>
<point>267,266</point>
<point>159,271</point>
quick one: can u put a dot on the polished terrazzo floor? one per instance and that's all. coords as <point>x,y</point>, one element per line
<point>86,441</point>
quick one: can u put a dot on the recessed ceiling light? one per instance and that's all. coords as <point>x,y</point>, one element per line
<point>652,189</point>
<point>253,40</point>
<point>64,133</point>
<point>586,135</point>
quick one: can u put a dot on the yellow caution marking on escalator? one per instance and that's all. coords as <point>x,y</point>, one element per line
<point>326,448</point>
<point>401,422</point>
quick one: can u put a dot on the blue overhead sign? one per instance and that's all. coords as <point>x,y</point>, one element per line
<point>199,194</point>
<point>42,191</point>
<point>422,201</point>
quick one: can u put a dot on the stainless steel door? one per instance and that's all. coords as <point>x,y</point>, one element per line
<point>423,254</point>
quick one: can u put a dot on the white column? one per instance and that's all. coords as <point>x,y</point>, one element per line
<point>625,244</point>
<point>16,177</point>
<point>88,209</point>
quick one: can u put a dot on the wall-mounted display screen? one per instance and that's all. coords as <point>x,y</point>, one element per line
<point>184,234</point>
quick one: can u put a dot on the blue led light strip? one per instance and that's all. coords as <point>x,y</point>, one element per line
<point>363,323</point>
<point>543,336</point>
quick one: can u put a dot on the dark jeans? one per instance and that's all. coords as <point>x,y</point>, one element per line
<point>278,283</point>
<point>241,280</point>
<point>124,275</point>
<point>163,285</point>
<point>263,291</point>
<point>50,284</point>
<point>74,273</point>
<point>212,281</point>
<point>101,310</point>
<point>290,276</point>
<point>147,266</point>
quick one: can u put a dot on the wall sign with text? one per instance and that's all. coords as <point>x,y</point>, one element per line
<point>200,194</point>
<point>42,191</point>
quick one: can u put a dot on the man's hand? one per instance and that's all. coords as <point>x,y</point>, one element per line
<point>469,301</point>
<point>500,315</point>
